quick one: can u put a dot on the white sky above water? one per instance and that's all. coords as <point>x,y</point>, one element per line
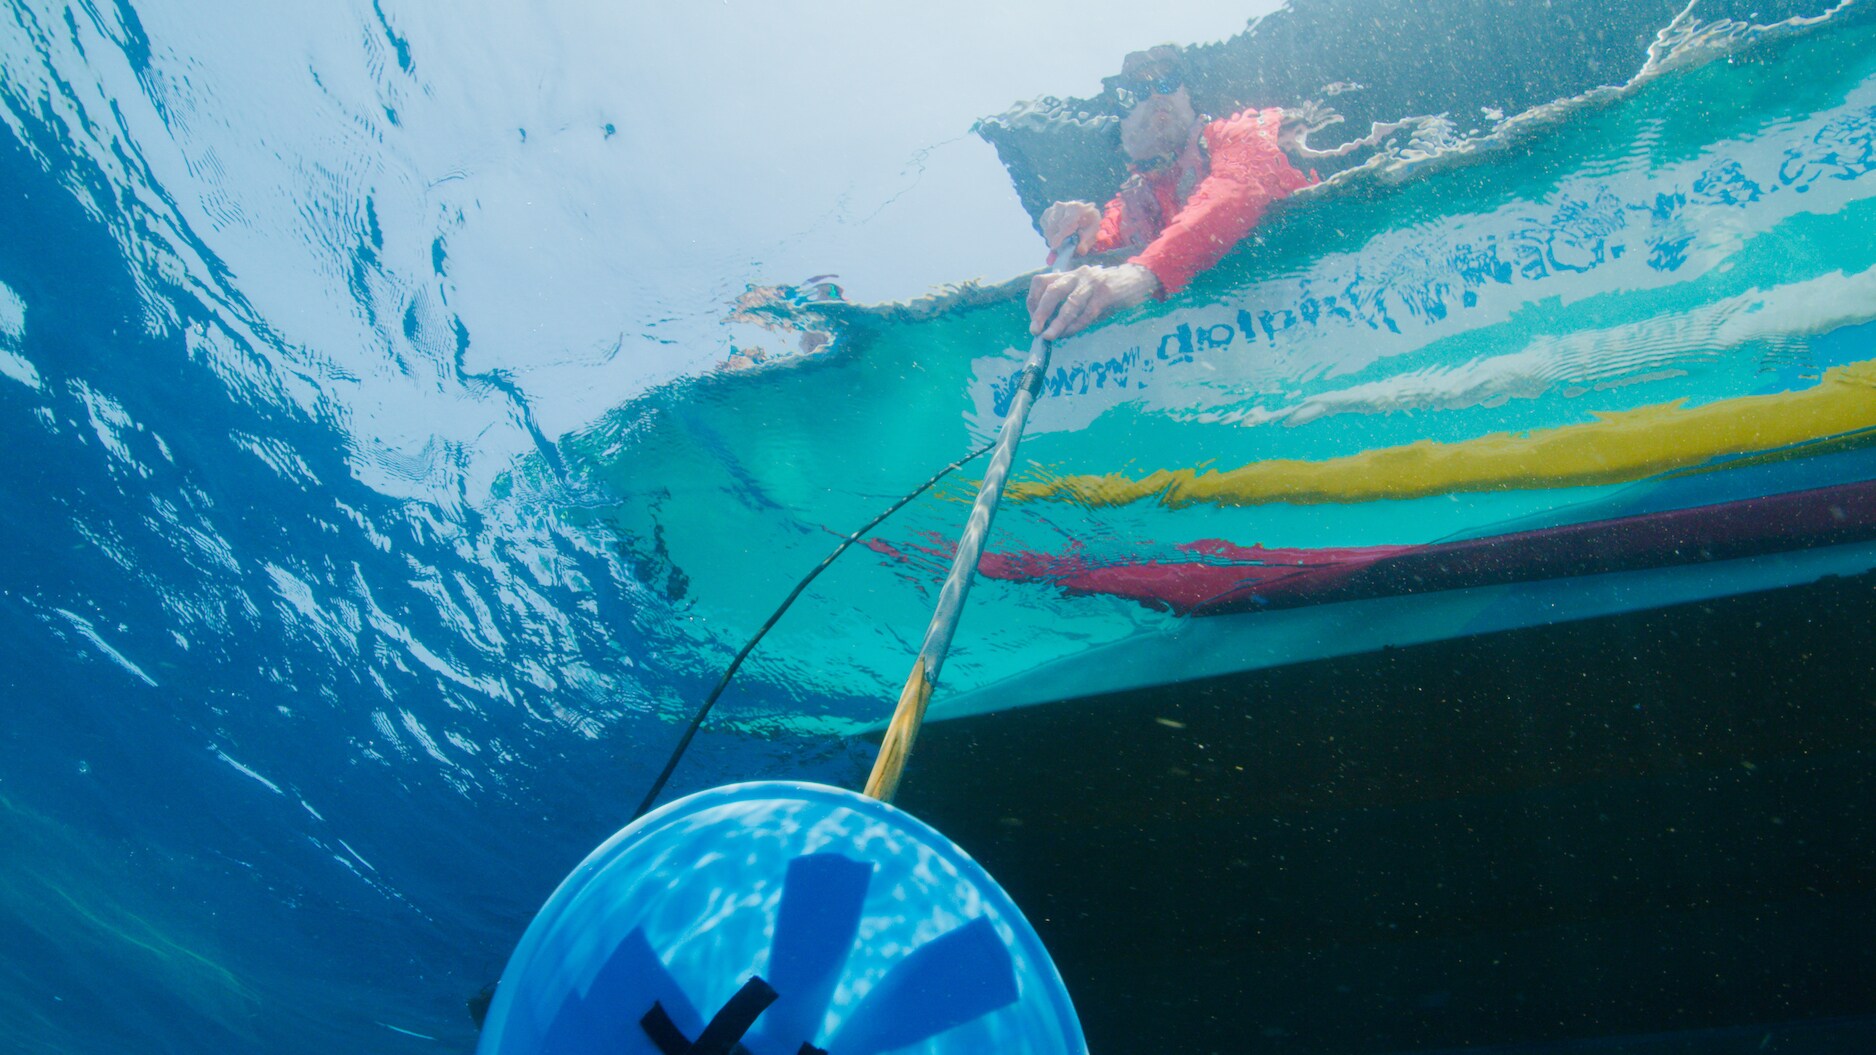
<point>767,143</point>
<point>756,143</point>
<point>834,104</point>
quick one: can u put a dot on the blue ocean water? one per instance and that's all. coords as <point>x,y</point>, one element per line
<point>300,725</point>
<point>306,709</point>
<point>200,588</point>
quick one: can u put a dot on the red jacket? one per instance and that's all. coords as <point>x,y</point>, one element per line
<point>1190,212</point>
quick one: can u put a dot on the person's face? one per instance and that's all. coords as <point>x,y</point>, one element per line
<point>1157,124</point>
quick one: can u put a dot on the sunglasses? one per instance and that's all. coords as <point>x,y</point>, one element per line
<point>1134,93</point>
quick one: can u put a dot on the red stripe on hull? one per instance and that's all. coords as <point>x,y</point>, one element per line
<point>1222,577</point>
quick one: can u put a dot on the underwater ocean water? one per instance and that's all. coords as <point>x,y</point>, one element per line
<point>363,565</point>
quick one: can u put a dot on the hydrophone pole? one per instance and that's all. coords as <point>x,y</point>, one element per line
<point>896,748</point>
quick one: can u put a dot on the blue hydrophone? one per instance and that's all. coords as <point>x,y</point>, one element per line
<point>787,918</point>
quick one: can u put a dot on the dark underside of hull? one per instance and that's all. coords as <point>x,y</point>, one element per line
<point>1646,833</point>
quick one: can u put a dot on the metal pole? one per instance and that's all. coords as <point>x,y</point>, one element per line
<point>896,747</point>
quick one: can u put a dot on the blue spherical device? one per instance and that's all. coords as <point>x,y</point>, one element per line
<point>779,919</point>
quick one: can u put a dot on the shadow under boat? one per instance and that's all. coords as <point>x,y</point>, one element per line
<point>1642,832</point>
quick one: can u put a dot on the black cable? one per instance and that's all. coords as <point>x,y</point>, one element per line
<point>703,711</point>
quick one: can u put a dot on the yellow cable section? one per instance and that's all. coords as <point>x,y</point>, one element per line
<point>1617,447</point>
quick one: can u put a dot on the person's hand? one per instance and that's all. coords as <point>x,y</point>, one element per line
<point>1067,302</point>
<point>1079,220</point>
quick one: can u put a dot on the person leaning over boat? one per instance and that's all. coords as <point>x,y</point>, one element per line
<point>1196,187</point>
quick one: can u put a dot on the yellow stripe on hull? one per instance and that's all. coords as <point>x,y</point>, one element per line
<point>1617,447</point>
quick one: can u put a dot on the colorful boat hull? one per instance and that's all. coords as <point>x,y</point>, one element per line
<point>1619,354</point>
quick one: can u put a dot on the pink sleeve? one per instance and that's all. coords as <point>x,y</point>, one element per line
<point>1109,235</point>
<point>1248,172</point>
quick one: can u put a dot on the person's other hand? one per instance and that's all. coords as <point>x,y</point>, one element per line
<point>1079,220</point>
<point>1068,302</point>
